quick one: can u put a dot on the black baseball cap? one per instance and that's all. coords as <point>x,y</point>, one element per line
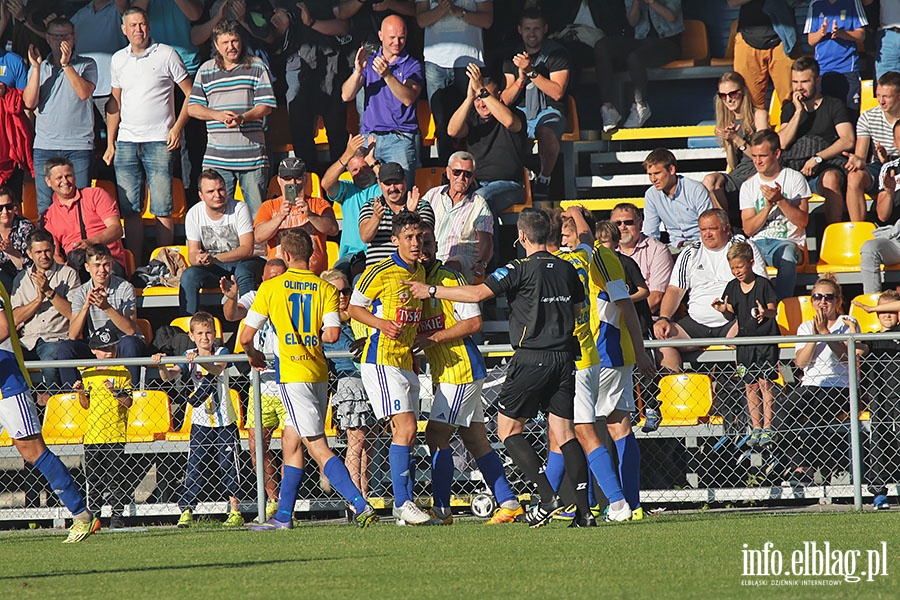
<point>103,338</point>
<point>292,167</point>
<point>391,171</point>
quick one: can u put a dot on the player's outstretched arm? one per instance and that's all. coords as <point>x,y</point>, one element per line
<point>462,293</point>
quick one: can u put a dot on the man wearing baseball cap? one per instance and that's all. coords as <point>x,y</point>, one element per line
<point>376,217</point>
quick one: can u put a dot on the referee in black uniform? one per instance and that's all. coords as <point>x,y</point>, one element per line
<point>544,294</point>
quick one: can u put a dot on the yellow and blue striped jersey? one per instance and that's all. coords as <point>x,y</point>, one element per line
<point>379,290</point>
<point>299,304</point>
<point>457,361</point>
<point>580,258</point>
<point>14,377</point>
<point>106,415</point>
<point>607,278</point>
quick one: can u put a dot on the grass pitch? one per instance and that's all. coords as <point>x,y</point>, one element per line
<point>677,556</point>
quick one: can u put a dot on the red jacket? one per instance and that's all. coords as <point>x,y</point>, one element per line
<point>16,136</point>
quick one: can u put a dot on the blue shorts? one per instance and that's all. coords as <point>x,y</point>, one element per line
<point>549,117</point>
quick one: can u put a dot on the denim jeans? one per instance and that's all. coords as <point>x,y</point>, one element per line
<point>400,148</point>
<point>499,196</point>
<point>210,446</point>
<point>49,376</point>
<point>254,185</point>
<point>81,160</point>
<point>889,55</point>
<point>247,273</point>
<point>784,256</point>
<point>446,87</point>
<point>134,160</point>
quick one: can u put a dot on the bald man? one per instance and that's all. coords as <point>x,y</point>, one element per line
<point>393,80</point>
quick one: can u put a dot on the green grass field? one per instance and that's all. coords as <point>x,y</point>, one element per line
<point>677,556</point>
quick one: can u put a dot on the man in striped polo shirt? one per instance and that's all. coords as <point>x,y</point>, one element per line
<point>233,93</point>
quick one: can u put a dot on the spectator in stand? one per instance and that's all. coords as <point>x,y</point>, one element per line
<point>41,307</point>
<point>59,91</point>
<point>775,210</point>
<point>815,132</point>
<point>580,24</point>
<point>702,269</point>
<point>315,70</point>
<point>233,94</point>
<point>106,300</point>
<point>292,209</point>
<point>392,80</point>
<point>885,248</point>
<point>219,232</point>
<point>98,27</point>
<point>142,129</point>
<point>14,232</point>
<point>464,226</point>
<point>453,40</point>
<point>888,58</point>
<point>16,146</point>
<point>766,36</point>
<point>536,79</point>
<point>674,201</point>
<point>876,124</point>
<point>823,393</point>
<point>658,26</point>
<point>736,120</point>
<point>376,217</point>
<point>652,256</point>
<point>359,161</point>
<point>256,30</point>
<point>835,28</point>
<point>78,218</point>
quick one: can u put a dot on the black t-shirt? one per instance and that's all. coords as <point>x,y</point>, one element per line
<point>745,303</point>
<point>542,291</point>
<point>550,58</point>
<point>822,122</point>
<point>499,153</point>
<point>895,212</point>
<point>755,26</point>
<point>635,279</point>
<point>878,347</point>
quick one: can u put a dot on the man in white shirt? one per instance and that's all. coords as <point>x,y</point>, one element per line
<point>219,232</point>
<point>142,128</point>
<point>775,210</point>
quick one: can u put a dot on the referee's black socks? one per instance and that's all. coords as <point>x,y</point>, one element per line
<point>577,470</point>
<point>530,464</point>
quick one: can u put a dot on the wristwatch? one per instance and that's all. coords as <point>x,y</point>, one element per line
<point>50,295</point>
<point>432,290</point>
<point>531,74</point>
<point>483,93</point>
<point>818,159</point>
<point>742,147</point>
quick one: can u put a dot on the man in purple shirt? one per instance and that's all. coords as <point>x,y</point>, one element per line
<point>392,80</point>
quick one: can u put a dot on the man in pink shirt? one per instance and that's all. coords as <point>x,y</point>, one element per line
<point>652,256</point>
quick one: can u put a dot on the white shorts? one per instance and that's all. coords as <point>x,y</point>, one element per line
<point>587,387</point>
<point>18,416</point>
<point>391,390</point>
<point>458,404</point>
<point>305,405</point>
<point>616,390</point>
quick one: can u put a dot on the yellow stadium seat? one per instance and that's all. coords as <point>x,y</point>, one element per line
<point>146,329</point>
<point>184,323</point>
<point>428,177</point>
<point>728,59</point>
<point>867,99</point>
<point>793,311</point>
<point>775,111</point>
<point>333,249</point>
<point>183,250</point>
<point>149,416</point>
<point>426,123</point>
<point>29,202</point>
<point>684,398</point>
<point>694,46</point>
<point>330,428</point>
<point>868,322</point>
<point>238,408</point>
<point>64,420</point>
<point>129,263</point>
<point>841,245</point>
<point>5,440</point>
<point>107,186</point>
<point>573,128</point>
<point>160,290</point>
<point>179,204</point>
<point>183,434</point>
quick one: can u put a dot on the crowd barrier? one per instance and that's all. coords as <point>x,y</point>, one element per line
<point>701,454</point>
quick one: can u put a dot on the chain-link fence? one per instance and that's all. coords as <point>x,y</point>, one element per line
<point>150,448</point>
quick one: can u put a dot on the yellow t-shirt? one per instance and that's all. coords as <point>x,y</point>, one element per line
<point>607,322</point>
<point>106,416</point>
<point>580,258</point>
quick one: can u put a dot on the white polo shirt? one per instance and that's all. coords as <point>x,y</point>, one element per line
<point>147,83</point>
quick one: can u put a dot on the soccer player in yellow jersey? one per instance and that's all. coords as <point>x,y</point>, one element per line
<point>303,310</point>
<point>458,372</point>
<point>384,303</point>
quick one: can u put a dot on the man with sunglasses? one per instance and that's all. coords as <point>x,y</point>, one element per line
<point>651,255</point>
<point>294,209</point>
<point>464,225</point>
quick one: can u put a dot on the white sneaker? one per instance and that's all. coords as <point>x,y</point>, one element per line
<point>611,118</point>
<point>623,514</point>
<point>410,514</point>
<point>638,116</point>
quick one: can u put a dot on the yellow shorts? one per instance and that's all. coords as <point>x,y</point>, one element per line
<point>273,413</point>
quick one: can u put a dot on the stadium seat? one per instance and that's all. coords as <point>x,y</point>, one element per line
<point>775,111</point>
<point>684,398</point>
<point>573,128</point>
<point>428,177</point>
<point>841,244</point>
<point>184,323</point>
<point>333,249</point>
<point>728,59</point>
<point>64,420</point>
<point>694,46</point>
<point>129,263</point>
<point>278,133</point>
<point>426,123</point>
<point>107,186</point>
<point>149,416</point>
<point>183,434</point>
<point>160,290</point>
<point>867,99</point>
<point>868,322</point>
<point>793,311</point>
<point>5,440</point>
<point>517,208</point>
<point>29,202</point>
<point>146,329</point>
<point>179,206</point>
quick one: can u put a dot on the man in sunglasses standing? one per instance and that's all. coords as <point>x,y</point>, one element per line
<point>464,226</point>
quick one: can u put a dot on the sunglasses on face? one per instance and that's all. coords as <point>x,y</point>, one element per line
<point>7,207</point>
<point>824,297</point>
<point>346,291</point>
<point>734,95</point>
<point>624,223</point>
<point>461,173</point>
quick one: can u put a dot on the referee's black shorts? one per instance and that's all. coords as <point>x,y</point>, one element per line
<point>538,381</point>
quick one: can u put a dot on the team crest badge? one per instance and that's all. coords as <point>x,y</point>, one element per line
<point>404,297</point>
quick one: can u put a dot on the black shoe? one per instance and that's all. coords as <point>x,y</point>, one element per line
<point>586,521</point>
<point>541,514</point>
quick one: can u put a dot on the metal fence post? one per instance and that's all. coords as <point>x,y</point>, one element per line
<point>256,398</point>
<point>855,450</point>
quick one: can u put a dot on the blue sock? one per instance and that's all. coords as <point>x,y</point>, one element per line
<point>287,497</point>
<point>630,469</point>
<point>411,480</point>
<point>339,476</point>
<point>592,495</point>
<point>555,469</point>
<point>441,477</point>
<point>399,459</point>
<point>602,468</point>
<point>60,480</point>
<point>494,474</point>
